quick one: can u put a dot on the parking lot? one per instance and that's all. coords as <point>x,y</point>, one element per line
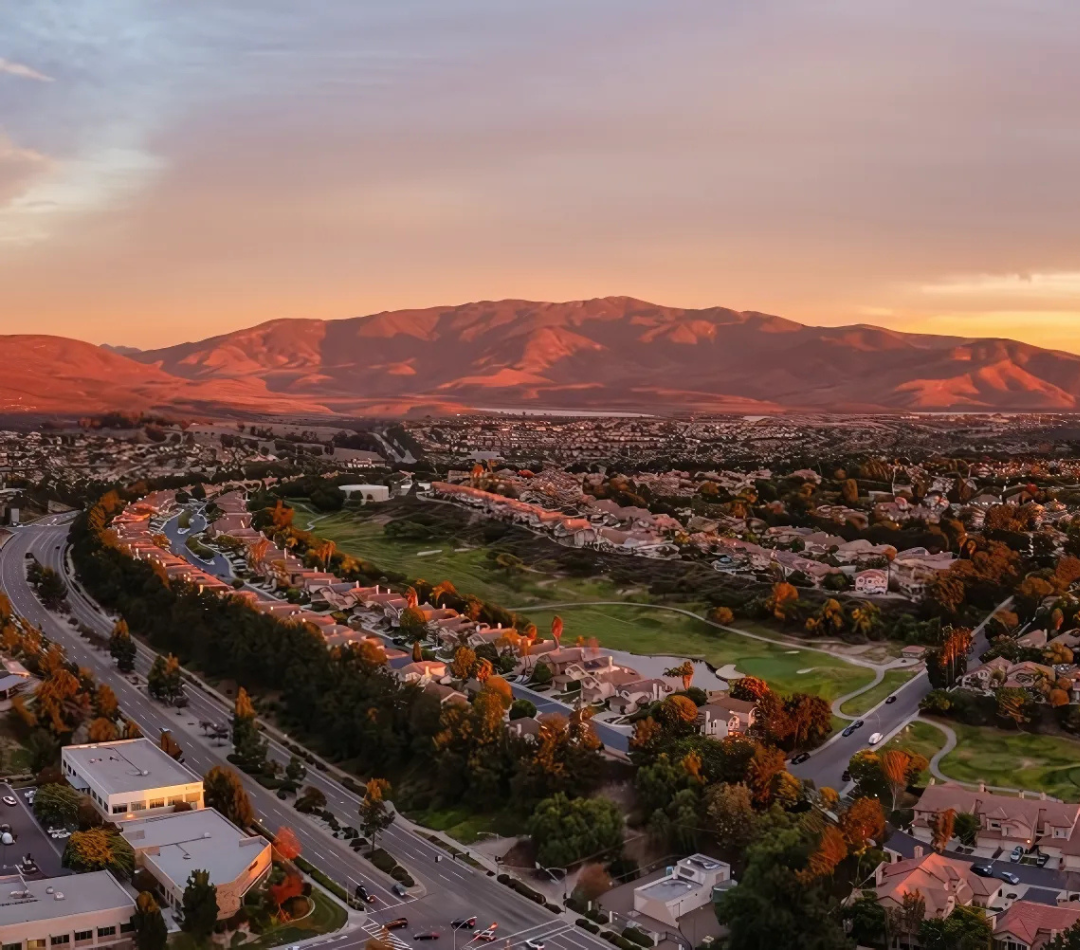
<point>30,838</point>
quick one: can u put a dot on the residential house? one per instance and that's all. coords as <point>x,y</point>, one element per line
<point>1027,925</point>
<point>724,716</point>
<point>943,883</point>
<point>633,696</point>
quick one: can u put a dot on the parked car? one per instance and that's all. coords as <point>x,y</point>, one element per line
<point>362,893</point>
<point>463,923</point>
<point>795,760</point>
<point>845,776</point>
<point>1042,860</point>
<point>1017,853</point>
<point>426,935</point>
<point>1009,877</point>
<point>400,890</point>
<point>398,924</point>
<point>875,738</point>
<point>983,870</point>
<point>10,800</point>
<point>484,936</point>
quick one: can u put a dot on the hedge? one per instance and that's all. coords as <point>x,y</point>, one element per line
<point>587,925</point>
<point>621,942</point>
<point>637,936</point>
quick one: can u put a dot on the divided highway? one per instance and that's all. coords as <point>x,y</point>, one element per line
<point>447,889</point>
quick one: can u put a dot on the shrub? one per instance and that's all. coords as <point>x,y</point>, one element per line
<point>637,936</point>
<point>588,925</point>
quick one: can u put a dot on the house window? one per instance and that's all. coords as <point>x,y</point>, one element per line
<point>12,946</point>
<point>156,803</point>
<point>60,940</point>
<point>35,944</point>
<point>138,806</point>
<point>106,931</point>
<point>119,809</point>
<point>84,935</point>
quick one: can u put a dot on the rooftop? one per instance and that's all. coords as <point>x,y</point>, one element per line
<point>129,765</point>
<point>203,840</point>
<point>23,901</point>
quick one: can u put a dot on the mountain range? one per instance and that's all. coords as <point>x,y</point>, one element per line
<point>612,353</point>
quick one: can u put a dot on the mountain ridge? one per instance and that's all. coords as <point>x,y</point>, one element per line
<point>613,353</point>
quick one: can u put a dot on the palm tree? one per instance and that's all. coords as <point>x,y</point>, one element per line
<point>443,588</point>
<point>324,552</point>
<point>411,599</point>
<point>685,671</point>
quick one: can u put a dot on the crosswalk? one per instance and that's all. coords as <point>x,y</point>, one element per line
<point>379,932</point>
<point>546,931</point>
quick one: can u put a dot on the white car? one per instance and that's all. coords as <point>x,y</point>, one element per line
<point>875,738</point>
<point>10,800</point>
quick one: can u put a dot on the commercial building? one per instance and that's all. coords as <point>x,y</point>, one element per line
<point>171,847</point>
<point>130,778</point>
<point>65,913</point>
<point>690,884</point>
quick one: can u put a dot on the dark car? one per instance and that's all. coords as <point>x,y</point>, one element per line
<point>850,730</point>
<point>983,870</point>
<point>400,890</point>
<point>801,757</point>
<point>1009,877</point>
<point>890,699</point>
<point>846,776</point>
<point>426,935</point>
<point>398,924</point>
<point>362,893</point>
<point>462,923</point>
<point>858,724</point>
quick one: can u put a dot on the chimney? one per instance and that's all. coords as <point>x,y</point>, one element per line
<point>918,850</point>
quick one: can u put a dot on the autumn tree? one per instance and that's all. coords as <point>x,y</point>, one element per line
<point>730,812</point>
<point>750,689</point>
<point>766,764</point>
<point>122,647</point>
<point>941,829</point>
<point>375,815</point>
<point>286,844</point>
<point>684,671</point>
<point>464,663</point>
<point>151,932</point>
<point>102,730</point>
<point>898,768</point>
<point>782,600</point>
<point>105,702</point>
<point>164,681</point>
<point>248,744</point>
<point>223,790</point>
<point>98,850</point>
<point>676,714</point>
<point>592,882</point>
<point>861,823</point>
<point>830,851</point>
<point>1014,705</point>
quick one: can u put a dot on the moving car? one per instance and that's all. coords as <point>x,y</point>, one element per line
<point>535,944</point>
<point>858,724</point>
<point>426,935</point>
<point>362,893</point>
<point>463,923</point>
<point>400,890</point>
<point>10,800</point>
<point>848,731</point>
<point>484,936</point>
<point>875,738</point>
<point>398,924</point>
<point>1017,853</point>
<point>1010,877</point>
<point>845,776</point>
<point>983,870</point>
<point>795,760</point>
<point>890,699</point>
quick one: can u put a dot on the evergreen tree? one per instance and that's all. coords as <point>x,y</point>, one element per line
<point>150,930</point>
<point>200,906</point>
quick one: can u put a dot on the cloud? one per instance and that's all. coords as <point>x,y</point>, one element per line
<point>18,167</point>
<point>1049,285</point>
<point>21,69</point>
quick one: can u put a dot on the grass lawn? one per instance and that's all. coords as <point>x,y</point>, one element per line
<point>1011,759</point>
<point>646,631</point>
<point>465,826</point>
<point>326,917</point>
<point>918,737</point>
<point>890,682</point>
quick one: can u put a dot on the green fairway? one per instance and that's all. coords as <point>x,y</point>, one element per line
<point>1011,759</point>
<point>920,738</point>
<point>652,631</point>
<point>890,682</point>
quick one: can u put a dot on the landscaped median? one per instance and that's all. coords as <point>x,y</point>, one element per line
<point>890,683</point>
<point>918,738</point>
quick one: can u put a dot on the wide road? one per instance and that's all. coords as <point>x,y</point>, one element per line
<point>447,888</point>
<point>826,766</point>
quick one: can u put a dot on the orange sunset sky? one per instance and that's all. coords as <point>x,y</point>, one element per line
<point>169,171</point>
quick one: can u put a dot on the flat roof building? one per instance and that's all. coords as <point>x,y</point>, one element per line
<point>690,884</point>
<point>130,778</point>
<point>65,913</point>
<point>170,847</point>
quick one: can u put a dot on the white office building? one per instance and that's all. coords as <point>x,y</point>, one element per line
<point>131,778</point>
<point>80,912</point>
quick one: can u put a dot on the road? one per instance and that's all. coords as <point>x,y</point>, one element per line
<point>827,764</point>
<point>447,888</point>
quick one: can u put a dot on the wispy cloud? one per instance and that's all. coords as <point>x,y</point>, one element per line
<point>1051,285</point>
<point>21,69</point>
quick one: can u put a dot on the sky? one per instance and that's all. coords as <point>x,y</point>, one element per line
<point>170,171</point>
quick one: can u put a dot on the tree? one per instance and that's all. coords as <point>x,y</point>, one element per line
<point>106,704</point>
<point>730,811</point>
<point>830,851</point>
<point>164,681</point>
<point>592,882</point>
<point>867,920</point>
<point>199,910</point>
<point>98,850</point>
<point>1066,940</point>
<point>522,709</point>
<point>722,615</point>
<point>906,919</point>
<point>565,830</point>
<point>248,745</point>
<point>1013,704</point>
<point>464,663</point>
<point>966,827</point>
<point>151,933</point>
<point>782,601</point>
<point>57,804</point>
<point>966,928</point>
<point>310,800</point>
<point>941,829</point>
<point>750,689</point>
<point>898,768</point>
<point>122,647</point>
<point>375,816</point>
<point>774,906</point>
<point>684,671</point>
<point>295,771</point>
<point>677,715</point>
<point>862,823</point>
<point>223,790</point>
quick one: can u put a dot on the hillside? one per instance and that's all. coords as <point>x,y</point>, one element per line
<point>610,353</point>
